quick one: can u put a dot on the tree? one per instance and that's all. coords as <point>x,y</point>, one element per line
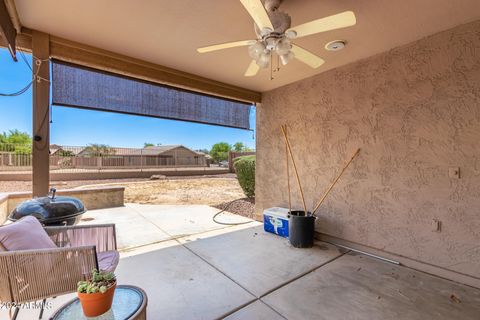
<point>65,153</point>
<point>16,137</point>
<point>148,144</point>
<point>239,147</point>
<point>219,151</point>
<point>98,150</point>
<point>203,151</point>
<point>15,140</point>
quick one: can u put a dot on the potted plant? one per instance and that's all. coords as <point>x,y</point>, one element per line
<point>96,293</point>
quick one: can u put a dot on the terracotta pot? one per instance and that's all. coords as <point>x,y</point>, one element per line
<point>95,304</point>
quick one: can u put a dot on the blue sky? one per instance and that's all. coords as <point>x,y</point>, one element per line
<point>76,127</point>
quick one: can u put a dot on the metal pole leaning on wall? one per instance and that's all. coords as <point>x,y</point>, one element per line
<point>335,181</point>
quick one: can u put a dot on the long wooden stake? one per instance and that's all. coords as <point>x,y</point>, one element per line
<point>288,177</point>
<point>294,166</point>
<point>335,181</point>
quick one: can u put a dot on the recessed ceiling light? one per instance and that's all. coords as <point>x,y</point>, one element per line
<point>335,45</point>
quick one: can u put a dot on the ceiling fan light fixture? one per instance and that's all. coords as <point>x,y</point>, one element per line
<point>285,58</point>
<point>256,49</point>
<point>283,47</point>
<point>290,34</point>
<point>264,60</point>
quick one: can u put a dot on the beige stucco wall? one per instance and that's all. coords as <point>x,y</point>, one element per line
<point>415,112</point>
<point>92,198</point>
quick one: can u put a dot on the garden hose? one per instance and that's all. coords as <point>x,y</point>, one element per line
<point>228,223</point>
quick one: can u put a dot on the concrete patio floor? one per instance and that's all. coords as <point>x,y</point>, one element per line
<point>192,268</point>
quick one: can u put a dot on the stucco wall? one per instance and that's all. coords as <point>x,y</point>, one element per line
<point>415,112</point>
<point>92,198</point>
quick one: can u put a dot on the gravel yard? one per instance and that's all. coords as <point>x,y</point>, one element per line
<point>215,190</point>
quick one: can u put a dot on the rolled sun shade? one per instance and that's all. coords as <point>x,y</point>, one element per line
<point>81,87</point>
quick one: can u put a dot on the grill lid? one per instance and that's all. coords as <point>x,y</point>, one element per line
<point>47,209</point>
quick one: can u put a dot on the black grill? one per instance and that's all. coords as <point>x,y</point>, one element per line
<point>51,211</point>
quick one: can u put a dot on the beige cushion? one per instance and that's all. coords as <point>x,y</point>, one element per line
<point>108,260</point>
<point>25,234</point>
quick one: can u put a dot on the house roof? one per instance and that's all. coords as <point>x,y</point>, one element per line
<point>154,150</point>
<point>54,148</point>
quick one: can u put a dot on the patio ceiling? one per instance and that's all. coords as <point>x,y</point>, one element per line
<point>168,32</point>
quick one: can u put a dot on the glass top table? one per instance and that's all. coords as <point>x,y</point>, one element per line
<point>129,302</point>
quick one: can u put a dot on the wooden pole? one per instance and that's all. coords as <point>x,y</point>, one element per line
<point>7,29</point>
<point>41,113</point>
<point>288,177</point>
<point>335,181</point>
<point>284,128</point>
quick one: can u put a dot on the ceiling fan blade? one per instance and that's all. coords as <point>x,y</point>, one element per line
<point>307,57</point>
<point>226,45</point>
<point>252,69</point>
<point>257,11</point>
<point>337,21</point>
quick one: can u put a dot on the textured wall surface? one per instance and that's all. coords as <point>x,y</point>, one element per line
<point>93,198</point>
<point>415,112</point>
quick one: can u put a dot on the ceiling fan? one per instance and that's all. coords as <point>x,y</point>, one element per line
<point>275,35</point>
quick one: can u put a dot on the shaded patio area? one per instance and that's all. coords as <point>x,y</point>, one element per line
<point>192,268</point>
<point>398,80</point>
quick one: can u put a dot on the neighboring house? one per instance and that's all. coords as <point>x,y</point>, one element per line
<point>167,155</point>
<point>179,154</point>
<point>54,149</point>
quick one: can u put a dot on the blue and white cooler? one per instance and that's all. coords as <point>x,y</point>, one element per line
<point>275,220</point>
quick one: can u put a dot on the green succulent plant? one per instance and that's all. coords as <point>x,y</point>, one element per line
<point>99,282</point>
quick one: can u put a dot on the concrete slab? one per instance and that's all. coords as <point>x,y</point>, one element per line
<point>193,237</point>
<point>257,310</point>
<point>182,220</point>
<point>180,285</point>
<point>259,261</point>
<point>133,229</point>
<point>359,287</point>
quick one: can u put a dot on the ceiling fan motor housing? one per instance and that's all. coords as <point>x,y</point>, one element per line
<point>272,5</point>
<point>281,21</point>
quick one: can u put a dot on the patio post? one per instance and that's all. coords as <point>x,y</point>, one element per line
<point>41,114</point>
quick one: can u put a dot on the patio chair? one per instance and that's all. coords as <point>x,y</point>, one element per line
<point>38,274</point>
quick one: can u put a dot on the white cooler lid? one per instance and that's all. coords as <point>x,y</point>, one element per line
<point>277,211</point>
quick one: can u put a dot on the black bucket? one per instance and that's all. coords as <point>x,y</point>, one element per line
<point>301,229</point>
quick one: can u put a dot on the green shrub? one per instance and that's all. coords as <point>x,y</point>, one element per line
<point>245,169</point>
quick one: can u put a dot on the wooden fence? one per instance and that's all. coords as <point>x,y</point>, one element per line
<point>233,154</point>
<point>19,158</point>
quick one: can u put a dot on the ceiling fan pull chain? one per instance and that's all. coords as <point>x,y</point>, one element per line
<point>271,66</point>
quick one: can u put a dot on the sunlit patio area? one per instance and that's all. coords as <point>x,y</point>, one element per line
<point>192,268</point>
